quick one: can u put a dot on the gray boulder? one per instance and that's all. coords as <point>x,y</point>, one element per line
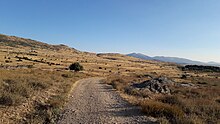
<point>156,85</point>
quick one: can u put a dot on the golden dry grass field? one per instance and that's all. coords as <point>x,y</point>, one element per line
<point>35,83</point>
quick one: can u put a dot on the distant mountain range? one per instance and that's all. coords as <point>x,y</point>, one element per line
<point>177,60</point>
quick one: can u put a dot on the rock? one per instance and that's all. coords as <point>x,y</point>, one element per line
<point>156,85</point>
<point>165,80</point>
<point>186,85</point>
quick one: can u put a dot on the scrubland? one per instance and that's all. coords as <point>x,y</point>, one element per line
<point>35,83</point>
<point>194,99</point>
<point>34,95</point>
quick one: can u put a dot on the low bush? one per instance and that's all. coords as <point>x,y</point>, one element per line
<point>183,76</point>
<point>18,89</point>
<point>41,114</point>
<point>8,61</point>
<point>6,100</point>
<point>117,83</point>
<point>76,67</point>
<point>10,99</point>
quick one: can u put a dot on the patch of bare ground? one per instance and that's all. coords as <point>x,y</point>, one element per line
<point>93,101</point>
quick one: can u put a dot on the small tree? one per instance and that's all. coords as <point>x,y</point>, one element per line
<point>76,67</point>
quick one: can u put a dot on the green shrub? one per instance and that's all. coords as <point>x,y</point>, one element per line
<point>76,67</point>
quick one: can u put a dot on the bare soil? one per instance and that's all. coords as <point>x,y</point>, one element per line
<point>95,102</point>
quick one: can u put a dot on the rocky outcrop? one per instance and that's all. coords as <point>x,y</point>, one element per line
<point>156,85</point>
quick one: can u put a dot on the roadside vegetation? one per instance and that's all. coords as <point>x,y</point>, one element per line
<point>192,100</point>
<point>34,95</point>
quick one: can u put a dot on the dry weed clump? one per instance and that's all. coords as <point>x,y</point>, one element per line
<point>158,109</point>
<point>117,82</point>
<point>38,85</point>
<point>9,99</point>
<point>46,112</point>
<point>13,92</point>
<point>170,99</point>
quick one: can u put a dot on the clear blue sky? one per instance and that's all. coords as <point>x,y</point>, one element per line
<point>182,28</point>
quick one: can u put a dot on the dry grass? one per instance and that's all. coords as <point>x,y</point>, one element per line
<point>171,99</point>
<point>191,105</point>
<point>158,109</point>
<point>33,76</point>
<point>33,89</point>
<point>38,95</point>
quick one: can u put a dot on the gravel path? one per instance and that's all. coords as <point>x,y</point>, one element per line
<point>93,102</point>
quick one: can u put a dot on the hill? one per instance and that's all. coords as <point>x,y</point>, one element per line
<point>176,60</point>
<point>13,41</point>
<point>140,56</point>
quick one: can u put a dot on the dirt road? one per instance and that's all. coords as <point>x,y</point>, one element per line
<point>93,102</point>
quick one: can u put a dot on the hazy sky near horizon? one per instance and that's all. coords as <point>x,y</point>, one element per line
<point>181,28</point>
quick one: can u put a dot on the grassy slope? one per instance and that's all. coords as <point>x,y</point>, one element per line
<point>33,84</point>
<point>33,95</point>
